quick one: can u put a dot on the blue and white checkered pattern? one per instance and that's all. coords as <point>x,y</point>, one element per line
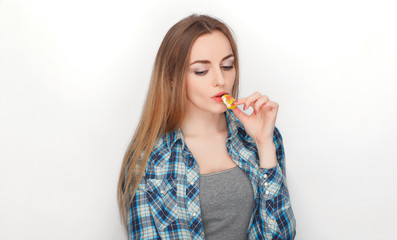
<point>167,205</point>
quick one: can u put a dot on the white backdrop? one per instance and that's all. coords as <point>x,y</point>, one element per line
<point>74,74</point>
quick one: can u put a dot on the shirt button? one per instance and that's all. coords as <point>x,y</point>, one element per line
<point>266,183</point>
<point>194,214</point>
<point>191,183</point>
<point>265,176</point>
<point>161,191</point>
<point>267,192</point>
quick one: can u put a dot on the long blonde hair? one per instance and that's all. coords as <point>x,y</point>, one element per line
<point>165,102</point>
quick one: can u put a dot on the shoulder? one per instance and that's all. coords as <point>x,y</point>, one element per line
<point>159,150</point>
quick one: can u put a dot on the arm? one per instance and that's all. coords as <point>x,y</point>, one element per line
<point>275,206</point>
<point>140,223</point>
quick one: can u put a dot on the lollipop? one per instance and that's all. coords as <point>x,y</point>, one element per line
<point>228,101</point>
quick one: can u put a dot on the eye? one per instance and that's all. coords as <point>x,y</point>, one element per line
<point>227,68</point>
<point>201,73</point>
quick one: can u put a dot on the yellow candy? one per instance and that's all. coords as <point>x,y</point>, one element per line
<point>228,101</point>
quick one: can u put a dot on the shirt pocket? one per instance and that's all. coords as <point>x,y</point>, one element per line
<point>161,194</point>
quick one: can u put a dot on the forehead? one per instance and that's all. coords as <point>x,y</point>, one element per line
<point>211,46</point>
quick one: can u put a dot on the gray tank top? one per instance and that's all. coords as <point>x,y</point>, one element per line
<point>226,202</point>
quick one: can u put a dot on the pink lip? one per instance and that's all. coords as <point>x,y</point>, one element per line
<point>218,99</point>
<point>220,94</point>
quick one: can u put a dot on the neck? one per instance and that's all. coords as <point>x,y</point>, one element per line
<point>203,124</point>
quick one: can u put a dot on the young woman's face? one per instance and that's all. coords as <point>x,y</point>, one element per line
<point>211,71</point>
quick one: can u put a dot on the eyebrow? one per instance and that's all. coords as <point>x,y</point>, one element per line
<point>207,61</point>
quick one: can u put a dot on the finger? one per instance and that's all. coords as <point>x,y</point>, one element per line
<point>240,114</point>
<point>239,101</point>
<point>250,100</point>
<point>269,105</point>
<point>260,102</point>
<point>254,100</point>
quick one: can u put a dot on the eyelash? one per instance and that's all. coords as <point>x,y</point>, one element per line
<point>227,68</point>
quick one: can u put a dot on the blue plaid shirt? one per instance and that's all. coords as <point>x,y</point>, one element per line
<point>167,205</point>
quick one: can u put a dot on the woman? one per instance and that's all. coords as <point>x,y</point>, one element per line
<point>195,168</point>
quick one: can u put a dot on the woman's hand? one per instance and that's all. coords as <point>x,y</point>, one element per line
<point>260,124</point>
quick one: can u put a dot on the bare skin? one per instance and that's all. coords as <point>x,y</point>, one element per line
<point>211,71</point>
<point>211,155</point>
<point>205,126</point>
<point>210,151</point>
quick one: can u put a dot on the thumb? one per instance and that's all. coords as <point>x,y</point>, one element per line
<point>240,114</point>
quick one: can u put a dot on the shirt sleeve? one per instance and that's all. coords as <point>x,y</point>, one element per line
<point>140,223</point>
<point>275,205</point>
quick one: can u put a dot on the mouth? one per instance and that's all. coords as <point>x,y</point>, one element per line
<point>220,94</point>
<point>217,99</point>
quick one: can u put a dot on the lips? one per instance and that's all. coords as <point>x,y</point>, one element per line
<point>217,99</point>
<point>220,94</point>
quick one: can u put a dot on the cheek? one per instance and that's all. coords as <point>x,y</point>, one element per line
<point>192,85</point>
<point>196,87</point>
<point>231,76</point>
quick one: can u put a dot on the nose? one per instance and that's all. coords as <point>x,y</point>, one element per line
<point>219,79</point>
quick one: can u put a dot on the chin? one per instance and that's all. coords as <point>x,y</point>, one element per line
<point>222,109</point>
<point>214,109</point>
<point>210,107</point>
